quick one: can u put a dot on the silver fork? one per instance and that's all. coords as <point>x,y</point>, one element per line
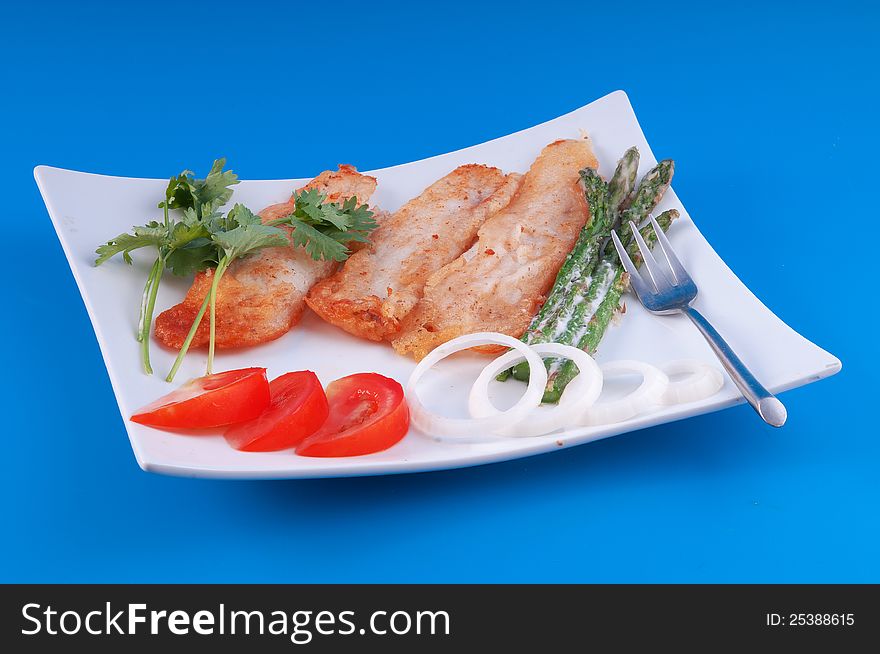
<point>672,291</point>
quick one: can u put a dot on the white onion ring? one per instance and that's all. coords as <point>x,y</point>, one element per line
<point>578,396</point>
<point>648,393</point>
<point>702,381</point>
<point>437,425</point>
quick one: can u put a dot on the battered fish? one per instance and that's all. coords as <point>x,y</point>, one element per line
<point>261,296</point>
<point>378,286</point>
<point>500,282</point>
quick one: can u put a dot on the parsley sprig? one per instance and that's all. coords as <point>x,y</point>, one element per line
<point>240,233</point>
<point>202,237</point>
<point>182,245</point>
<point>324,228</point>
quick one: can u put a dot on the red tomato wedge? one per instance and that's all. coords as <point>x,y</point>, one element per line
<point>216,400</point>
<point>368,413</point>
<point>297,408</point>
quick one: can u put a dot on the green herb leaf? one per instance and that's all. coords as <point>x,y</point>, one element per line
<point>249,238</point>
<point>311,208</point>
<point>308,206</point>
<point>184,233</point>
<point>347,237</point>
<point>151,234</point>
<point>241,215</point>
<point>201,195</point>
<point>213,190</point>
<point>362,219</point>
<point>319,245</point>
<point>195,257</point>
<point>180,192</point>
<point>323,228</point>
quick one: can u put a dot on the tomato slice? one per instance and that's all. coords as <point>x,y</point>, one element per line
<point>368,413</point>
<point>216,400</point>
<point>297,408</point>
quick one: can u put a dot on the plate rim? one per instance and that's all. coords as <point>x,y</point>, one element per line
<point>538,445</point>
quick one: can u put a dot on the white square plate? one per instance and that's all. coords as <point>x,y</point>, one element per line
<point>780,357</point>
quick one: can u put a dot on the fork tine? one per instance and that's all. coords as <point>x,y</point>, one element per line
<point>678,270</point>
<point>635,279</point>
<point>655,272</point>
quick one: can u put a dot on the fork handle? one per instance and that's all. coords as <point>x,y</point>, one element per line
<point>763,401</point>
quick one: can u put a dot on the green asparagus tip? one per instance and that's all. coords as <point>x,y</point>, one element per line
<point>521,371</point>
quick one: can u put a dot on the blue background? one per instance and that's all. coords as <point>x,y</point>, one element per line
<point>770,113</point>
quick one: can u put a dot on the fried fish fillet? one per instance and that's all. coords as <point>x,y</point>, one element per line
<point>500,282</point>
<point>378,286</point>
<point>260,297</point>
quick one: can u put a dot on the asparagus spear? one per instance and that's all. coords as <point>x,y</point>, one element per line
<point>588,329</point>
<point>565,309</point>
<point>650,191</point>
<point>647,196</point>
<point>574,274</point>
<point>622,184</point>
<point>619,193</point>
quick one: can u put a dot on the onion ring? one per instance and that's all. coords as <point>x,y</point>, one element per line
<point>578,396</point>
<point>648,393</point>
<point>437,425</point>
<point>702,381</point>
